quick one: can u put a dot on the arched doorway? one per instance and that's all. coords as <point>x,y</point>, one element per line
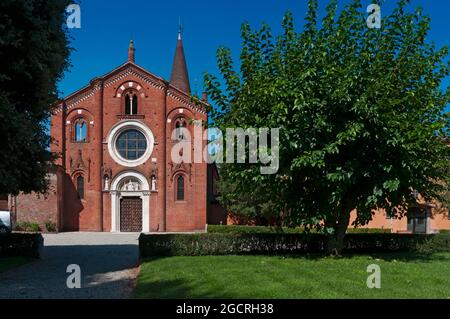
<point>130,196</point>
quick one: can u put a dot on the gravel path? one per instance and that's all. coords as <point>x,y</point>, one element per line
<point>108,264</point>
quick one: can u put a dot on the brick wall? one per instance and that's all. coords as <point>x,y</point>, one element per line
<point>4,203</point>
<point>38,208</point>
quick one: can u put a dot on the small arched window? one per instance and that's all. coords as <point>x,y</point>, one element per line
<point>180,124</point>
<point>80,186</point>
<point>131,104</point>
<point>80,131</point>
<point>180,188</point>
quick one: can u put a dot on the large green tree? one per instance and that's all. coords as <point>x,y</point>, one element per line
<point>34,51</point>
<point>361,114</point>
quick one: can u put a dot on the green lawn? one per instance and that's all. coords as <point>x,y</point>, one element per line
<point>402,276</point>
<point>11,262</point>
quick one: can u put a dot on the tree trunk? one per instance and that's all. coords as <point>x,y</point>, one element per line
<point>335,242</point>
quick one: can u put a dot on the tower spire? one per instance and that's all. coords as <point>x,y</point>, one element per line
<point>179,77</point>
<point>131,51</point>
<point>180,28</point>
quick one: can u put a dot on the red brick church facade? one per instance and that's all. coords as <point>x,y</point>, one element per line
<point>115,171</point>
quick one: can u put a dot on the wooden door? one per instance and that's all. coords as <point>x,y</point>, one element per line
<point>131,214</point>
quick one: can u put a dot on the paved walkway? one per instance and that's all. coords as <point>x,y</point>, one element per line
<point>108,264</point>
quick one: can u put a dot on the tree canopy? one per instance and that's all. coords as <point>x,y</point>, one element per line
<point>34,51</point>
<point>361,114</point>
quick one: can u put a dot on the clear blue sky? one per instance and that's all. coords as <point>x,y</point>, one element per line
<point>107,26</point>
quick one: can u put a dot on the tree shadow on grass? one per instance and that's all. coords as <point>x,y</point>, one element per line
<point>386,256</point>
<point>174,289</point>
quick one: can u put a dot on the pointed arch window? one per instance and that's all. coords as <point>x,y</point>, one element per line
<point>180,188</point>
<point>180,125</point>
<point>80,131</point>
<point>80,186</point>
<point>131,104</point>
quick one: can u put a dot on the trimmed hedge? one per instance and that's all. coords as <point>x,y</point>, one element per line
<point>19,244</point>
<point>235,244</point>
<point>437,243</point>
<point>244,229</point>
<point>368,231</point>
